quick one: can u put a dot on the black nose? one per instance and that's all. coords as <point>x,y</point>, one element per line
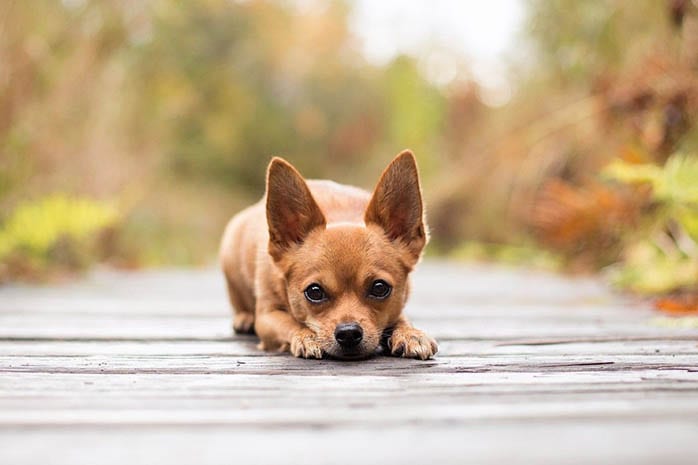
<point>348,335</point>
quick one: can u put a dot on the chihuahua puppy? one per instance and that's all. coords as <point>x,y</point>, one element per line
<point>321,269</point>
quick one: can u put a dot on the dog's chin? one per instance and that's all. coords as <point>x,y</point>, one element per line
<point>360,353</point>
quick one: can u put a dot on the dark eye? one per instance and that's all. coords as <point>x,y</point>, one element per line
<point>315,293</point>
<point>379,289</point>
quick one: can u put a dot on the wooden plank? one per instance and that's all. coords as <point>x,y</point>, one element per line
<point>371,414</point>
<point>244,345</point>
<point>92,394</point>
<point>661,441</point>
<point>222,393</point>
<point>327,383</point>
<point>252,364</point>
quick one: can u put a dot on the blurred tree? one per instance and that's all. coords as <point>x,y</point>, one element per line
<point>174,108</point>
<point>576,42</point>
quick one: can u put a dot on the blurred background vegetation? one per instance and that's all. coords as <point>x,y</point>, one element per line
<point>131,131</point>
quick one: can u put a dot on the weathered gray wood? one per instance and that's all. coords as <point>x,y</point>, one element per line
<point>448,348</point>
<point>560,443</point>
<point>205,364</point>
<point>142,368</point>
<point>340,413</point>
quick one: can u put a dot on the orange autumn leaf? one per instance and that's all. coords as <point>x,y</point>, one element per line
<point>679,305</point>
<point>573,219</point>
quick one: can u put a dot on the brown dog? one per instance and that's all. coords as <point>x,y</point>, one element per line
<point>318,268</point>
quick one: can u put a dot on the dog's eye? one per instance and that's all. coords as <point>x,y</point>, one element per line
<point>315,294</point>
<point>379,289</point>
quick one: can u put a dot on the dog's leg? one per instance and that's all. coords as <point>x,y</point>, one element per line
<point>278,330</point>
<point>408,341</point>
<point>243,309</point>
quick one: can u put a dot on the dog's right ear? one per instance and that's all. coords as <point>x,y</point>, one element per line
<point>396,205</point>
<point>291,209</point>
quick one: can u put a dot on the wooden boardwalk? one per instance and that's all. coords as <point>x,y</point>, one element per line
<point>141,368</point>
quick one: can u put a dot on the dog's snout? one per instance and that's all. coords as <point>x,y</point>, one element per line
<point>348,335</point>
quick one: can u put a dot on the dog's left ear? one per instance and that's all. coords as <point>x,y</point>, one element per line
<point>292,212</point>
<point>396,204</point>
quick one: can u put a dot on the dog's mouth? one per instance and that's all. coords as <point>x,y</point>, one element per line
<point>350,356</point>
<point>359,353</point>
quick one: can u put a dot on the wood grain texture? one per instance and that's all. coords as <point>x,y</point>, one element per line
<point>142,368</point>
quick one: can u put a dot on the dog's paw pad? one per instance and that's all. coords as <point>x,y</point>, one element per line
<point>243,323</point>
<point>412,343</point>
<point>305,345</point>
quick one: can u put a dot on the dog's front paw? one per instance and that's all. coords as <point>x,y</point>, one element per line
<point>304,344</point>
<point>412,343</point>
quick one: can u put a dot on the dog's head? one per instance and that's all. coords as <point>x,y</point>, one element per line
<point>347,282</point>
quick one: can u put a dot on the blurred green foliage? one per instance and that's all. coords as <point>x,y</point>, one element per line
<point>675,185</point>
<point>662,256</point>
<point>227,85</point>
<point>577,42</point>
<point>53,229</point>
<point>650,267</point>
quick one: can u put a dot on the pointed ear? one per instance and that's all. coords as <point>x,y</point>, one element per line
<point>291,209</point>
<point>396,204</point>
